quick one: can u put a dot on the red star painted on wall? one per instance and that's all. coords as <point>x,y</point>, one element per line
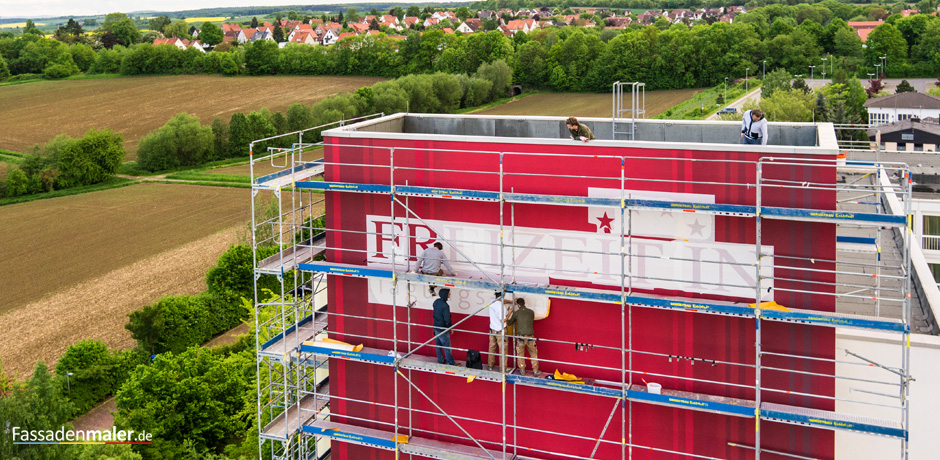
<point>605,223</point>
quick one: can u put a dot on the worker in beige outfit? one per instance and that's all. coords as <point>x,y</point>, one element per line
<point>524,318</point>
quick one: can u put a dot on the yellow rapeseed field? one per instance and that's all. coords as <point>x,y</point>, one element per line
<point>13,25</point>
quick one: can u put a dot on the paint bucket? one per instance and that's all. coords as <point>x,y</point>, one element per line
<point>654,388</point>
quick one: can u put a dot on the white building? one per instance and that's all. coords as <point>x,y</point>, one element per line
<point>903,106</point>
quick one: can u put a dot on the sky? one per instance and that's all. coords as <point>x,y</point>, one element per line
<point>55,8</point>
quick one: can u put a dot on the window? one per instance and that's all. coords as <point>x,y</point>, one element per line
<point>932,225</point>
<point>907,137</point>
<point>904,116</point>
<point>875,118</point>
<point>935,269</point>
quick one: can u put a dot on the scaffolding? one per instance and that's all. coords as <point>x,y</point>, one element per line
<point>294,397</point>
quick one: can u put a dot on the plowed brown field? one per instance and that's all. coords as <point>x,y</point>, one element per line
<point>50,245</point>
<point>134,106</point>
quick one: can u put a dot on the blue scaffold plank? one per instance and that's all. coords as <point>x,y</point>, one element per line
<point>343,435</point>
<point>561,199</point>
<point>562,385</point>
<point>289,330</point>
<point>688,305</point>
<point>285,172</point>
<point>566,293</point>
<point>819,419</point>
<point>691,403</point>
<point>834,320</point>
<point>856,240</point>
<point>838,216</point>
<point>697,207</point>
<point>345,187</point>
<point>451,282</point>
<point>447,192</point>
<point>346,354</point>
<point>350,270</point>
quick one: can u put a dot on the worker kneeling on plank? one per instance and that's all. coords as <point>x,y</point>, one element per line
<point>433,261</point>
<point>524,318</point>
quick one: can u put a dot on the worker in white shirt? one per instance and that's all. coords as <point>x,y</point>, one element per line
<point>497,311</point>
<point>430,262</point>
<point>754,128</point>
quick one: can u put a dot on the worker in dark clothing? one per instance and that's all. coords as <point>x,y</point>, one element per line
<point>525,336</point>
<point>578,131</point>
<point>441,324</point>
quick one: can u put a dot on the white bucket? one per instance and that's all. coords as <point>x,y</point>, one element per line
<point>654,388</point>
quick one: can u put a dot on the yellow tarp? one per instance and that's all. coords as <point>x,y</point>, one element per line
<point>564,376</point>
<point>330,341</point>
<point>770,306</point>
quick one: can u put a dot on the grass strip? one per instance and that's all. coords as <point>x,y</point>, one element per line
<point>114,182</point>
<point>130,168</point>
<point>201,183</point>
<point>206,177</point>
<point>692,109</point>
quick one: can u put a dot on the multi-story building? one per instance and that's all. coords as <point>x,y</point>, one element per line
<point>688,291</point>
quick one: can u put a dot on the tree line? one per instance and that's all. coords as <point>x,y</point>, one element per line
<point>65,162</point>
<point>664,55</point>
<point>184,141</point>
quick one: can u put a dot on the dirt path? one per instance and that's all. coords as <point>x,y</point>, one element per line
<point>98,308</point>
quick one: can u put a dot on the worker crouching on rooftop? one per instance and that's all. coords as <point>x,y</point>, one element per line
<point>524,318</point>
<point>578,131</point>
<point>754,128</point>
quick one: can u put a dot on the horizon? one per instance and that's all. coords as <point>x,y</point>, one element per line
<point>64,8</point>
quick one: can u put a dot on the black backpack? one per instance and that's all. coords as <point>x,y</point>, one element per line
<point>473,360</point>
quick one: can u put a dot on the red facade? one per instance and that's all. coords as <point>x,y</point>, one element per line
<point>543,416</point>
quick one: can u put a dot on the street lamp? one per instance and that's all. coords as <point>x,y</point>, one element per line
<point>811,71</point>
<point>726,91</point>
<point>745,79</point>
<point>884,63</point>
<point>878,69</point>
<point>871,76</point>
<point>67,383</point>
<point>764,71</point>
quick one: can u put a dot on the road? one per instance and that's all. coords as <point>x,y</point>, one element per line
<point>755,95</point>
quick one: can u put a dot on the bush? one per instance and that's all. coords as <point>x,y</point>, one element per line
<point>187,323</point>
<point>17,183</point>
<point>88,367</point>
<point>4,69</point>
<point>234,272</point>
<point>182,141</point>
<point>499,74</point>
<point>83,56</point>
<point>108,60</point>
<point>91,159</point>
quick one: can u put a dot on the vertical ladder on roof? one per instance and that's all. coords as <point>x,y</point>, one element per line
<point>627,115</point>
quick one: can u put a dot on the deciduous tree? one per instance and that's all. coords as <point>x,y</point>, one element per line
<point>122,27</point>
<point>182,141</point>
<point>178,28</point>
<point>159,23</point>
<point>210,34</point>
